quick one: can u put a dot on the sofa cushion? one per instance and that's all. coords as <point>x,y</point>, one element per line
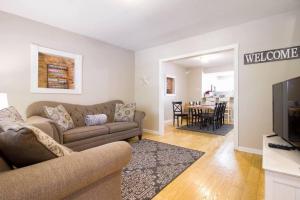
<point>124,112</point>
<point>92,120</point>
<point>121,126</point>
<point>24,145</point>
<point>4,166</point>
<point>60,116</point>
<point>84,133</point>
<point>10,114</point>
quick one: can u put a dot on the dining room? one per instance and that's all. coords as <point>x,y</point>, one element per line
<point>199,93</point>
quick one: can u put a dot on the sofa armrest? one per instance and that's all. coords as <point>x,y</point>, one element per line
<point>65,176</point>
<point>46,125</point>
<point>138,118</point>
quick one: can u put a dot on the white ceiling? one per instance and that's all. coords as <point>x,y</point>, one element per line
<point>220,59</point>
<point>139,24</point>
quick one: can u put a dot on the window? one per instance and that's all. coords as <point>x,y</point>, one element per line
<point>170,85</point>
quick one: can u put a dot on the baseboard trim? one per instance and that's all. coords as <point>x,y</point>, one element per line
<point>168,121</point>
<point>250,150</point>
<point>150,131</point>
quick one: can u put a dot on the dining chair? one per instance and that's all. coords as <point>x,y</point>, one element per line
<point>178,112</point>
<point>193,116</point>
<point>229,112</point>
<point>223,113</point>
<point>200,118</point>
<point>196,116</point>
<point>213,118</point>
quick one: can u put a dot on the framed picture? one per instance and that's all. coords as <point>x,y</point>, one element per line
<point>170,86</point>
<point>55,71</point>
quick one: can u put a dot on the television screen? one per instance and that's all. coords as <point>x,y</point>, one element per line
<point>278,109</point>
<point>293,95</point>
<point>286,110</point>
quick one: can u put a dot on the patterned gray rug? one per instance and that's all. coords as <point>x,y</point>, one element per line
<point>153,166</point>
<point>223,130</point>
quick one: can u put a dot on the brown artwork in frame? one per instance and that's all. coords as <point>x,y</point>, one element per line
<point>55,71</point>
<point>170,86</point>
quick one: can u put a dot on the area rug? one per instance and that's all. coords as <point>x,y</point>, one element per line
<point>223,130</point>
<point>153,166</point>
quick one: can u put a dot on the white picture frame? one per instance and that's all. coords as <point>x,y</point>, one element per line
<point>35,50</point>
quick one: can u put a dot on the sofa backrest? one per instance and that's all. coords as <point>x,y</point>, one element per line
<point>77,112</point>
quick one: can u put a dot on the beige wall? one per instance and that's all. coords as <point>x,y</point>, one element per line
<point>180,75</point>
<point>194,84</point>
<point>255,81</point>
<point>108,71</point>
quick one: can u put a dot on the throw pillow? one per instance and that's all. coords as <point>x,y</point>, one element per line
<point>92,120</point>
<point>124,112</point>
<point>10,114</point>
<point>24,145</point>
<point>60,116</point>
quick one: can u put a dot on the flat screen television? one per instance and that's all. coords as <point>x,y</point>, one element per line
<point>286,110</point>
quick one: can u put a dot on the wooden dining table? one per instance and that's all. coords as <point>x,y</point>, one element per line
<point>202,106</point>
<point>206,107</point>
<point>209,108</point>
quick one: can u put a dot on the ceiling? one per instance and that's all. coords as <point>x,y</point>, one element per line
<point>140,24</point>
<point>220,59</point>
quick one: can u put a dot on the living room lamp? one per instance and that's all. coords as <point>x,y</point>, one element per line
<point>3,101</point>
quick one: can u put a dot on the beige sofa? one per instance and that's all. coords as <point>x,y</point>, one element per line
<point>83,137</point>
<point>93,174</point>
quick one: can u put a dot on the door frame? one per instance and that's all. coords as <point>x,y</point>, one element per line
<point>235,48</point>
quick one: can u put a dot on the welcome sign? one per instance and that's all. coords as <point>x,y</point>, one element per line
<point>272,55</point>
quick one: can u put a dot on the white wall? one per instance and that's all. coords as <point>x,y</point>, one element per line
<point>180,75</point>
<point>222,81</point>
<point>255,81</point>
<point>108,71</point>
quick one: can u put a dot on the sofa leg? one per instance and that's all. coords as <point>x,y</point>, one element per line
<point>140,137</point>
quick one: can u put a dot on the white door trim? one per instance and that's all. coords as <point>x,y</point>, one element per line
<point>234,47</point>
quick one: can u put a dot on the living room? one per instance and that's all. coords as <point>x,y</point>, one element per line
<point>82,100</point>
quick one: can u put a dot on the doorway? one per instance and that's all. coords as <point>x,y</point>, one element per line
<point>175,90</point>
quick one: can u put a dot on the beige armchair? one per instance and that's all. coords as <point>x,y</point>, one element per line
<point>91,174</point>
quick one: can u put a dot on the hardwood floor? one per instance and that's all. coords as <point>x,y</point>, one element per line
<point>221,173</point>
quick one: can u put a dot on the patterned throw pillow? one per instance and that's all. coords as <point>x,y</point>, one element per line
<point>56,148</point>
<point>60,116</point>
<point>10,114</point>
<point>92,120</point>
<point>124,112</point>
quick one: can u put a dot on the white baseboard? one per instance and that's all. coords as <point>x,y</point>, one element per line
<point>151,131</point>
<point>250,150</point>
<point>168,121</point>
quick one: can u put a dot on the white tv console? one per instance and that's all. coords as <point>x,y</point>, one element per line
<point>282,171</point>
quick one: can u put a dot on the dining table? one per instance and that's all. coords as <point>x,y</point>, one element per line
<point>202,106</point>
<point>209,108</point>
<point>206,107</point>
